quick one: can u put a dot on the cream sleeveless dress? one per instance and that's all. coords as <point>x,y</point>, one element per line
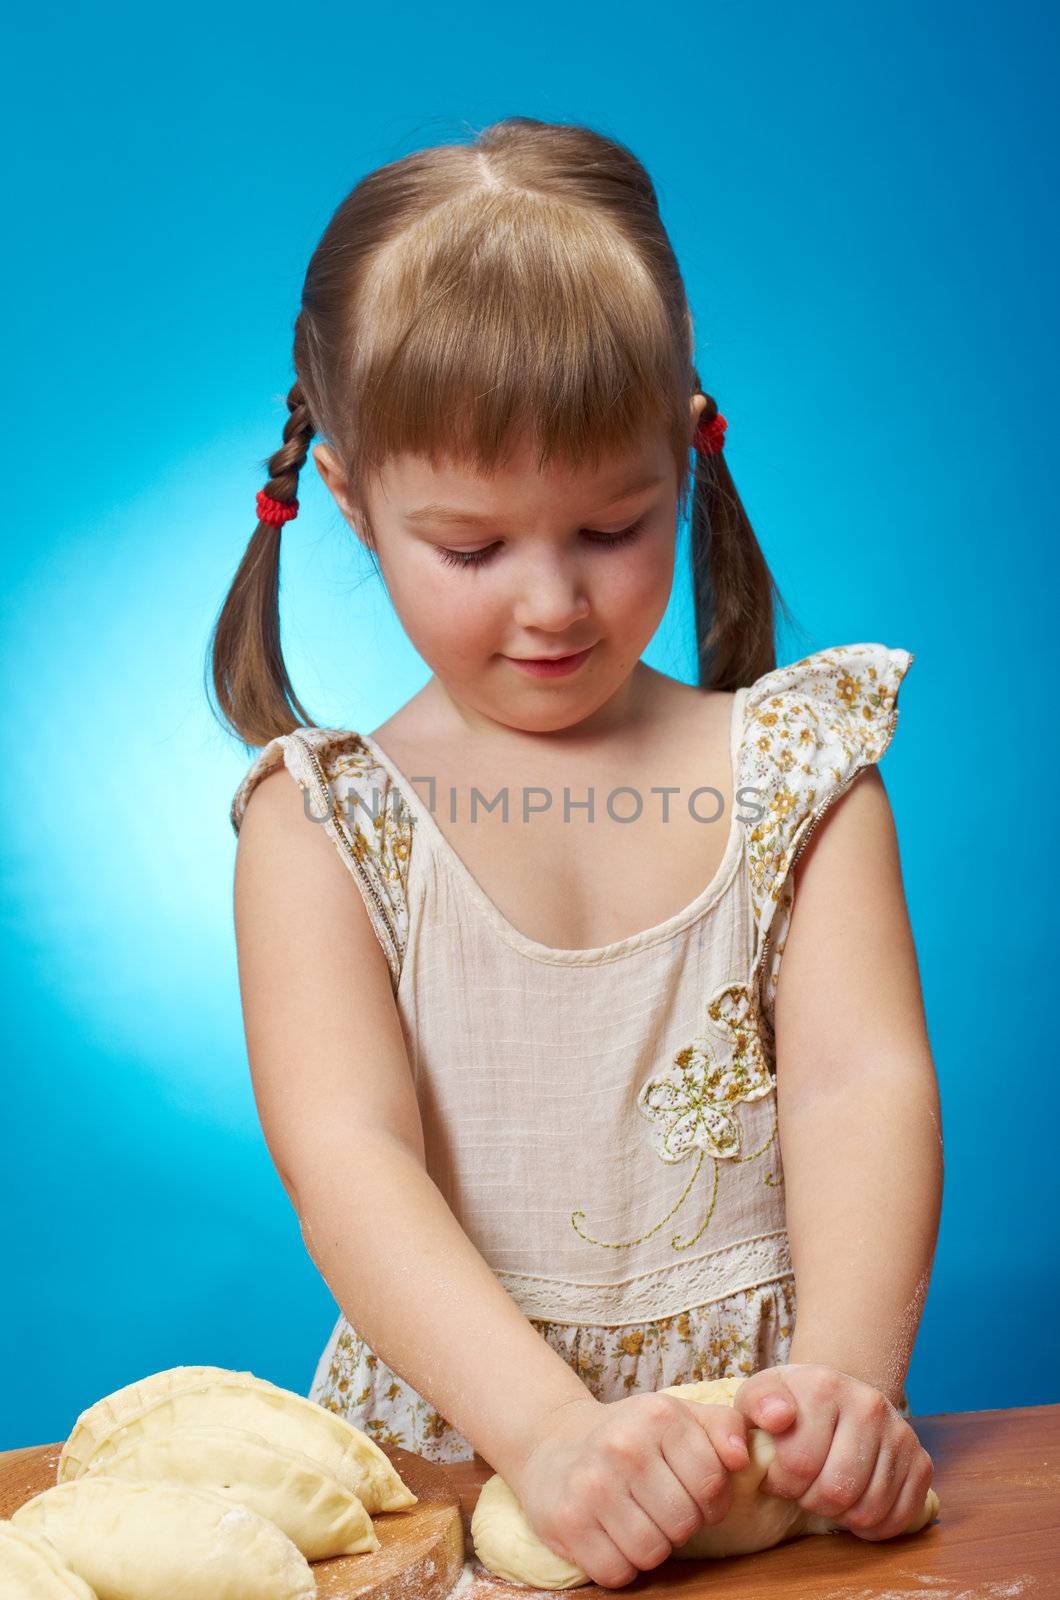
<point>602,1122</point>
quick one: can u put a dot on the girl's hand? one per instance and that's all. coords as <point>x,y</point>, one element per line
<point>615,1486</point>
<point>842,1449</point>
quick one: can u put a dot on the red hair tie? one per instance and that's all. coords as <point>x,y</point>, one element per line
<point>709,437</point>
<point>275,511</point>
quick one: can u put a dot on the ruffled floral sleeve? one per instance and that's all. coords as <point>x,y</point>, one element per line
<point>349,794</point>
<point>809,729</point>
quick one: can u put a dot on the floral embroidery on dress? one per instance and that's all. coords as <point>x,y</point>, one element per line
<point>355,800</point>
<point>372,801</point>
<point>693,1104</point>
<point>809,729</point>
<point>694,1100</point>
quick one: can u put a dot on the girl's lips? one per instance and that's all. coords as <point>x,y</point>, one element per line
<point>552,669</point>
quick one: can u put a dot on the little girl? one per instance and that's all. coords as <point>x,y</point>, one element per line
<point>561,1126</point>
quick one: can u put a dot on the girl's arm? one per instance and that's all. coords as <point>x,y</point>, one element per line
<point>858,1102</point>
<point>413,1285</point>
<point>338,1108</point>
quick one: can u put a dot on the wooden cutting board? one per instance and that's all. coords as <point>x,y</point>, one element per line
<point>997,1474</point>
<point>423,1552</point>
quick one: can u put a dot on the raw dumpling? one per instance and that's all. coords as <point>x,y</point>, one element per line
<point>507,1545</point>
<point>32,1569</point>
<point>115,1409</point>
<point>320,1514</point>
<point>207,1396</point>
<point>154,1541</point>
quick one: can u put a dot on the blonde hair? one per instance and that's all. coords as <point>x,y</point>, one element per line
<point>522,281</point>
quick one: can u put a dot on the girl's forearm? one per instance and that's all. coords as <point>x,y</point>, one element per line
<point>409,1280</point>
<point>863,1170</point>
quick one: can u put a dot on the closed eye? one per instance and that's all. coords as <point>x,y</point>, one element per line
<point>479,558</point>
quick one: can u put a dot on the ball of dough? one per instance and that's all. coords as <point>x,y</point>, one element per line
<point>507,1545</point>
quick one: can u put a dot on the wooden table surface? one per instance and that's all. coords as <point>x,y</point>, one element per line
<point>997,1537</point>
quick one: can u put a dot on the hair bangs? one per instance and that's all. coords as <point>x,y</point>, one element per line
<point>504,316</point>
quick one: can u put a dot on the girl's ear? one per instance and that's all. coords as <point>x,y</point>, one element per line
<point>699,405</point>
<point>332,474</point>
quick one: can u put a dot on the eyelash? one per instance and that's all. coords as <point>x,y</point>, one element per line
<point>479,558</point>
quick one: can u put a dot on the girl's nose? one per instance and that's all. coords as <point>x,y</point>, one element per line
<point>550,599</point>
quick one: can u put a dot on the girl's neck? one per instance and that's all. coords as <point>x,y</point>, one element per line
<point>445,717</point>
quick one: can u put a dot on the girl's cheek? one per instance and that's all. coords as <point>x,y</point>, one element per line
<point>469,605</point>
<point>445,599</point>
<point>470,626</point>
<point>641,589</point>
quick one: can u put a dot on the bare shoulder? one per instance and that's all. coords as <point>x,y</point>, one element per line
<point>278,840</point>
<point>856,839</point>
<point>849,877</point>
<point>324,1037</point>
<point>849,988</point>
<point>288,868</point>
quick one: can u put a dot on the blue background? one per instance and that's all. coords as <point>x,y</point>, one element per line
<point>864,209</point>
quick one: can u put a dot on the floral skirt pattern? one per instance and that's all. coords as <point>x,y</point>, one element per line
<point>736,1336</point>
<point>727,1338</point>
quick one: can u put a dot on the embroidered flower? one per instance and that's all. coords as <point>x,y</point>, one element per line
<point>693,1103</point>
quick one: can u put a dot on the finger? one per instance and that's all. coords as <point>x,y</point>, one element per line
<point>801,1451</point>
<point>726,1430</point>
<point>681,1481</point>
<point>662,1494</point>
<point>634,1532</point>
<point>694,1461</point>
<point>866,1515</point>
<point>848,1468</point>
<point>601,1559</point>
<point>767,1402</point>
<point>914,1479</point>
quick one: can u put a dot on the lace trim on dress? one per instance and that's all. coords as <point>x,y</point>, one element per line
<point>714,1276</point>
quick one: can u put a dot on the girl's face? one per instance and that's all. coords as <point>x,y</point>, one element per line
<point>484,572</point>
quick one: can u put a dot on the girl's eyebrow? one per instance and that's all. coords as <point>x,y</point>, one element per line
<point>475,519</point>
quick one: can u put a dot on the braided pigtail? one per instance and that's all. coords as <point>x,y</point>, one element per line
<point>734,593</point>
<point>249,675</point>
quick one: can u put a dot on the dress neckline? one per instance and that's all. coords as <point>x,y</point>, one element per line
<point>461,873</point>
